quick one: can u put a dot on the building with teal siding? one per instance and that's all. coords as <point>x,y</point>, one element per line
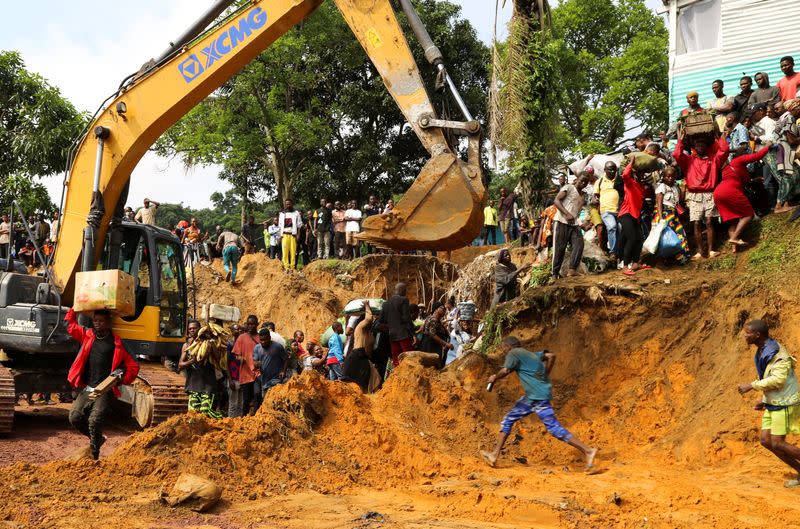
<point>727,39</point>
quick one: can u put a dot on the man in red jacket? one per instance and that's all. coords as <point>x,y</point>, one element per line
<point>101,354</point>
<point>701,170</point>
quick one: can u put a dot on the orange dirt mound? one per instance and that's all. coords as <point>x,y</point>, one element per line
<point>310,300</point>
<point>647,370</point>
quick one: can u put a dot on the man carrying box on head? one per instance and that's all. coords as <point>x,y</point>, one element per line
<point>101,355</point>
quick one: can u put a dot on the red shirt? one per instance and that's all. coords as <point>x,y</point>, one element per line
<point>702,174</point>
<point>243,347</point>
<point>634,194</point>
<point>86,336</point>
<point>788,86</point>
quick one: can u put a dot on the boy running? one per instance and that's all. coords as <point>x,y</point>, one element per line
<point>533,370</point>
<point>781,402</point>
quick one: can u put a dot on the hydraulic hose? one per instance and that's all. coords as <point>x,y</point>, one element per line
<point>195,29</point>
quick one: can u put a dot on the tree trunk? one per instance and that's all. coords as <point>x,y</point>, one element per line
<point>279,166</point>
<point>243,192</point>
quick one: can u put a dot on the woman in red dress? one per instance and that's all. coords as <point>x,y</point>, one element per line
<point>729,196</point>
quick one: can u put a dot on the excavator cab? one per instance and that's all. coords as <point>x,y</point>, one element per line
<point>154,258</point>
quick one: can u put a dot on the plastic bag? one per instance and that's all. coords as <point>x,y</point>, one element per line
<point>650,245</point>
<point>357,306</point>
<point>670,244</point>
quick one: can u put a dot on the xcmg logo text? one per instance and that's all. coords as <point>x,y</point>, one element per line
<point>192,66</point>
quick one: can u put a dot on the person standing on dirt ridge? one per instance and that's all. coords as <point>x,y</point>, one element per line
<point>324,229</point>
<point>396,319</point>
<point>289,221</point>
<point>352,217</point>
<point>781,401</point>
<point>506,212</point>
<point>533,370</point>
<point>569,201</point>
<point>101,355</point>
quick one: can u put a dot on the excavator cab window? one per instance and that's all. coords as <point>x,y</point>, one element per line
<point>172,294</point>
<point>134,258</point>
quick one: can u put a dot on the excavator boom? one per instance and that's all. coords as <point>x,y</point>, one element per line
<point>441,211</point>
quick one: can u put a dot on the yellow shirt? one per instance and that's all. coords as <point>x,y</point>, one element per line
<point>609,197</point>
<point>489,216</point>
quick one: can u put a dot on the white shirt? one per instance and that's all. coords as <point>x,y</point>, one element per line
<point>353,225</point>
<point>671,194</point>
<point>290,222</point>
<point>573,203</point>
<point>767,125</point>
<point>274,234</point>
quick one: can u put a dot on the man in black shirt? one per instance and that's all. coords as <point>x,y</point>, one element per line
<point>740,100</point>
<point>324,229</point>
<point>373,207</point>
<point>101,355</point>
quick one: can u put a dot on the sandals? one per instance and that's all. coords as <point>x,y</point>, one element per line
<point>629,272</point>
<point>697,257</point>
<point>712,254</point>
<point>737,242</point>
<point>645,267</point>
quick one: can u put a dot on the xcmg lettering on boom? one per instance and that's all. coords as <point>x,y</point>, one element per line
<point>192,67</point>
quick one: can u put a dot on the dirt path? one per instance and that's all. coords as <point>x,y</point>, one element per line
<point>43,433</point>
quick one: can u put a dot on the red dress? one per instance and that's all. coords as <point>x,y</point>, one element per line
<point>729,196</point>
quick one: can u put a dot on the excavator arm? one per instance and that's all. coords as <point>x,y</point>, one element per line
<point>441,210</point>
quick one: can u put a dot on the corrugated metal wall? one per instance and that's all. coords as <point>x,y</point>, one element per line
<point>755,35</point>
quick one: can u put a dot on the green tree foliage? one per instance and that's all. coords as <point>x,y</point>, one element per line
<point>612,58</point>
<point>31,196</point>
<point>310,116</point>
<point>225,212</point>
<point>37,126</point>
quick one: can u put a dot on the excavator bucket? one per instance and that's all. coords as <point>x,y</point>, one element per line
<point>443,209</point>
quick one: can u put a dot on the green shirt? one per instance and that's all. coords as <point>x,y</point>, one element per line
<point>531,371</point>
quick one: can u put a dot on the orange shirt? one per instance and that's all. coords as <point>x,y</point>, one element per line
<point>244,347</point>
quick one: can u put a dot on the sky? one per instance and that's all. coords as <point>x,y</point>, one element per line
<point>86,47</point>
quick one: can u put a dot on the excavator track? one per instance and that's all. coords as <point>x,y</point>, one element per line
<point>160,395</point>
<point>8,399</point>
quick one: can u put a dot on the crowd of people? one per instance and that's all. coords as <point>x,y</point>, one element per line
<point>361,348</point>
<point>292,236</point>
<point>19,243</point>
<point>744,164</point>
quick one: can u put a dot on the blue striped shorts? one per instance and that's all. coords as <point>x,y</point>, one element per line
<point>543,410</point>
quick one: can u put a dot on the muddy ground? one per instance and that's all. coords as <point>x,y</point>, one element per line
<point>647,371</point>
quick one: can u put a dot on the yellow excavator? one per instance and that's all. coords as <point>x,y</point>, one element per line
<point>441,211</point>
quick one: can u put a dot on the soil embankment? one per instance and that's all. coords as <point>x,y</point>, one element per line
<point>647,370</point>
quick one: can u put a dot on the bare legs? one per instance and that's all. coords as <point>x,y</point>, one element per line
<point>588,452</point>
<point>788,453</point>
<point>698,238</point>
<point>735,231</point>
